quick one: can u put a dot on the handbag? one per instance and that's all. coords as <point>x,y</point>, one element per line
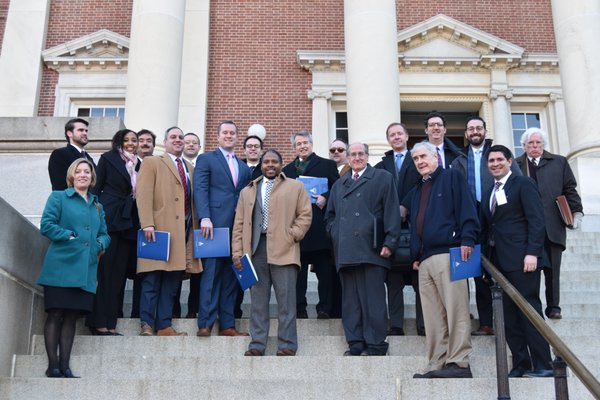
<point>401,256</point>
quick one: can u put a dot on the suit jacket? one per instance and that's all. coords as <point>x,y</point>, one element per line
<point>316,238</point>
<point>289,219</point>
<point>59,163</point>
<point>406,178</point>
<point>161,204</point>
<point>352,210</point>
<point>554,178</point>
<point>451,151</point>
<point>113,187</point>
<point>517,227</point>
<point>215,195</point>
<point>345,169</point>
<point>256,172</point>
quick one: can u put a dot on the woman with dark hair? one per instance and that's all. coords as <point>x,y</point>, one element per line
<point>74,221</point>
<point>117,175</point>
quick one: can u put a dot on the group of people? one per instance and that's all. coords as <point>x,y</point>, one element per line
<point>348,235</point>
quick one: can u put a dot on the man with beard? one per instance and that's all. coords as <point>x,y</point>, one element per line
<point>479,179</point>
<point>338,152</point>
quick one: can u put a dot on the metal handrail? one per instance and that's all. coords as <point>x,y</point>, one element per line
<point>560,348</point>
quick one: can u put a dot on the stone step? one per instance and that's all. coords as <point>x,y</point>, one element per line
<point>275,389</point>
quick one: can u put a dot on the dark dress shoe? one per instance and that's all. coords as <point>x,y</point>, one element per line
<point>302,314</point>
<point>54,373</point>
<point>67,373</point>
<point>232,332</point>
<point>426,375</point>
<point>517,372</point>
<point>322,315</point>
<point>484,330</point>
<point>394,331</point>
<point>372,353</point>
<point>555,314</point>
<point>253,352</point>
<point>452,370</point>
<point>203,332</point>
<point>421,331</point>
<point>352,352</point>
<point>96,332</point>
<point>286,352</point>
<point>539,373</point>
<point>115,333</point>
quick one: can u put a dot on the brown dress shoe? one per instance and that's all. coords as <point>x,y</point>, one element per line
<point>483,330</point>
<point>232,332</point>
<point>146,330</point>
<point>170,332</point>
<point>203,332</point>
<point>253,352</point>
<point>286,352</point>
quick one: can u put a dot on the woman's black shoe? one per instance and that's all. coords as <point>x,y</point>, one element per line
<point>67,373</point>
<point>96,332</point>
<point>54,373</point>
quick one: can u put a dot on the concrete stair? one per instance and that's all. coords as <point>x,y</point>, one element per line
<point>134,367</point>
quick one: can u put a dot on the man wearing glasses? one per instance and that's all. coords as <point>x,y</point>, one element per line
<point>338,152</point>
<point>253,150</point>
<point>435,129</point>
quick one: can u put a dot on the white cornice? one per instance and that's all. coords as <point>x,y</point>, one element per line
<point>100,50</point>
<point>321,60</point>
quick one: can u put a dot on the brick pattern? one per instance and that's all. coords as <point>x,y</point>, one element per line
<point>3,12</point>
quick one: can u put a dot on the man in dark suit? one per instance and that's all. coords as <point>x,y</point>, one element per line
<point>76,132</point>
<point>513,223</point>
<point>435,129</point>
<point>471,163</point>
<point>405,176</point>
<point>363,204</point>
<point>253,150</point>
<point>316,246</point>
<point>219,176</point>
<point>554,178</point>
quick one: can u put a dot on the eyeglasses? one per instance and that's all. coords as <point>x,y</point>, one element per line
<point>253,146</point>
<point>337,150</point>
<point>434,124</point>
<point>475,128</point>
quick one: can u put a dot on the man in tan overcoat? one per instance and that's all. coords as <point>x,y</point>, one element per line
<point>164,199</point>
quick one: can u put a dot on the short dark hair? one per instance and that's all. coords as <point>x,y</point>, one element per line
<point>476,118</point>
<point>502,149</point>
<point>229,122</point>
<point>435,114</point>
<point>253,137</point>
<point>148,132</point>
<point>170,129</point>
<point>272,151</point>
<point>70,125</point>
<point>192,134</point>
<point>117,139</point>
<point>387,130</point>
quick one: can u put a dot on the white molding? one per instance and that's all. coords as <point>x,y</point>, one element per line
<point>88,87</point>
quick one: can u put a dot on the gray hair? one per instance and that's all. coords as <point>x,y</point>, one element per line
<point>304,133</point>
<point>529,132</point>
<point>427,145</point>
<point>364,145</point>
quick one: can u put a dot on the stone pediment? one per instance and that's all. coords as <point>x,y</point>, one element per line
<point>101,50</point>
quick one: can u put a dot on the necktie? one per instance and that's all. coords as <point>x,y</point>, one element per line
<point>232,168</point>
<point>439,156</point>
<point>355,176</point>
<point>265,216</point>
<point>534,161</point>
<point>494,201</point>
<point>399,161</point>
<point>84,154</point>
<point>184,185</point>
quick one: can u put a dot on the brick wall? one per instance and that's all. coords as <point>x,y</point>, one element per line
<point>3,13</point>
<point>70,19</point>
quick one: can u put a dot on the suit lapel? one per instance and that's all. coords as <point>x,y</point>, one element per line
<point>116,161</point>
<point>223,161</point>
<point>166,159</point>
<point>312,165</point>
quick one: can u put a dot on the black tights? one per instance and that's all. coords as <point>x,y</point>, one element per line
<point>59,332</point>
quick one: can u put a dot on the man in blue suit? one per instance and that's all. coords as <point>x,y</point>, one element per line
<point>219,176</point>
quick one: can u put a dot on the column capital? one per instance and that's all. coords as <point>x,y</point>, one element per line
<point>554,97</point>
<point>314,94</point>
<point>496,93</point>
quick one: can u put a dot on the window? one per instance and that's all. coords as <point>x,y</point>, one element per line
<point>101,112</point>
<point>341,126</point>
<point>520,123</point>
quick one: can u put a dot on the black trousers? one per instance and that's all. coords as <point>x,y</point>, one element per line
<point>552,275</point>
<point>329,287</point>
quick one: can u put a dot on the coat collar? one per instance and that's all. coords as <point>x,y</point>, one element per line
<point>351,185</point>
<point>115,159</point>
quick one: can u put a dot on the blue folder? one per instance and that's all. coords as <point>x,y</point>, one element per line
<point>158,250</point>
<point>314,185</point>
<point>247,276</point>
<point>465,269</point>
<point>217,247</point>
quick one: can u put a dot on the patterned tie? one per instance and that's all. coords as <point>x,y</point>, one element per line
<point>534,161</point>
<point>232,168</point>
<point>355,176</point>
<point>265,216</point>
<point>399,161</point>
<point>184,184</point>
<point>494,201</point>
<point>439,157</point>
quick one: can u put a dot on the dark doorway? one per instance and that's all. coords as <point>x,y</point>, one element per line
<point>455,125</point>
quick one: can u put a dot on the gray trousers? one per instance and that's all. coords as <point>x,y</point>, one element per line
<point>283,279</point>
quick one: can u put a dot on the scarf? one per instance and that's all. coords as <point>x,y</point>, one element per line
<point>131,161</point>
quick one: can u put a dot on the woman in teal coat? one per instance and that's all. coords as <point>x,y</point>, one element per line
<point>73,220</point>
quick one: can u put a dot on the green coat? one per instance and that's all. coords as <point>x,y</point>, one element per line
<point>72,262</point>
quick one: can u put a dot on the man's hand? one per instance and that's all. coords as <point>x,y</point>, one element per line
<point>149,234</point>
<point>416,265</point>
<point>237,262</point>
<point>386,252</point>
<point>529,263</point>
<point>403,213</point>
<point>206,227</point>
<point>465,252</point>
<point>577,217</point>
<point>321,201</point>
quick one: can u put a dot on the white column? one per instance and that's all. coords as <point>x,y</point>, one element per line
<point>577,31</point>
<point>194,71</point>
<point>558,120</point>
<point>320,121</point>
<point>154,68</point>
<point>372,82</point>
<point>502,118</point>
<point>20,61</point>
